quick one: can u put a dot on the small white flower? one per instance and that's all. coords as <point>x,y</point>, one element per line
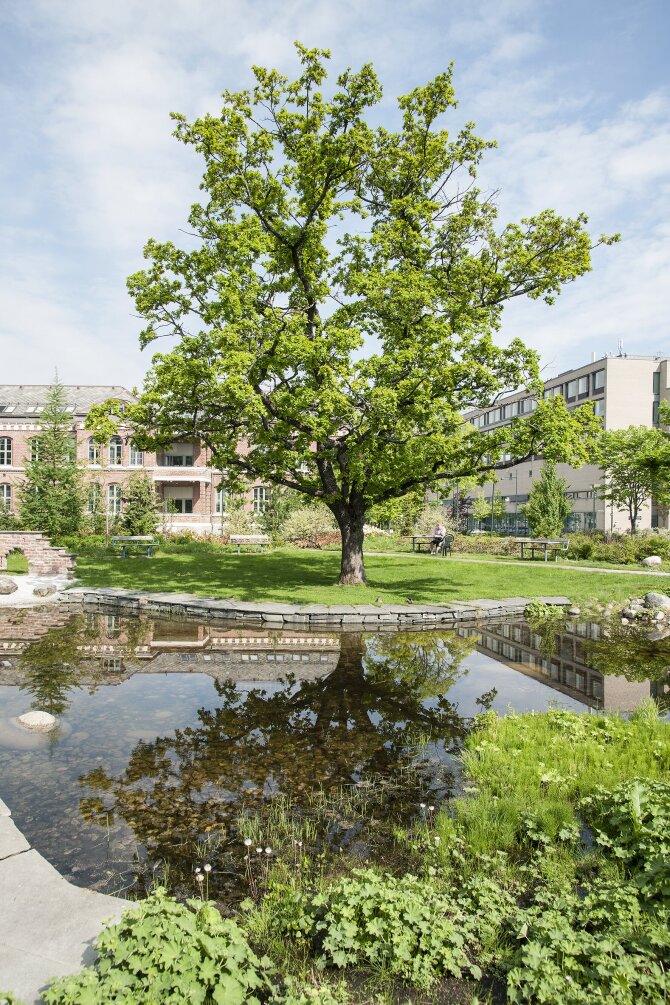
<point>431,809</point>
<point>259,851</point>
<point>422,806</point>
<point>200,878</point>
<point>208,868</point>
<point>197,870</point>
<point>436,839</point>
<point>268,851</point>
<point>299,844</point>
<point>247,842</point>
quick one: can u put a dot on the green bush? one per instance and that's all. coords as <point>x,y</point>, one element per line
<point>600,948</point>
<point>485,544</point>
<point>632,823</point>
<point>401,924</point>
<point>623,549</point>
<point>309,526</point>
<point>165,953</point>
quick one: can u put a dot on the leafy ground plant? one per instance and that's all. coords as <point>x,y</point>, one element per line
<point>164,952</point>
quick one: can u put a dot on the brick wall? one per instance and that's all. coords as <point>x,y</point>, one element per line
<point>43,559</point>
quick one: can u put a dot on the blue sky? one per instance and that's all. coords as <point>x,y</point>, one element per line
<point>576,93</point>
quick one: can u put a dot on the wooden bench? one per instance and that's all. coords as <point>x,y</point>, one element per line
<point>542,545</point>
<point>135,543</point>
<point>251,539</point>
<point>444,547</point>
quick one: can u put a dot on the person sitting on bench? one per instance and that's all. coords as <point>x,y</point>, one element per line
<point>439,532</point>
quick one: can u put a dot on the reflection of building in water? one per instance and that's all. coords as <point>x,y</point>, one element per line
<point>120,647</point>
<point>566,670</point>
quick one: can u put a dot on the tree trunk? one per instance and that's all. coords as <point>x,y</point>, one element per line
<point>350,520</point>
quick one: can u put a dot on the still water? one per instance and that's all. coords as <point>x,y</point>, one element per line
<point>168,732</point>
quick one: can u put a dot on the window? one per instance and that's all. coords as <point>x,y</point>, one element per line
<point>494,416</point>
<point>655,413</point>
<point>115,450</point>
<point>510,409</point>
<point>136,456</point>
<point>34,449</point>
<point>220,502</point>
<point>572,389</point>
<point>114,499</point>
<point>179,455</point>
<point>5,450</point>
<point>261,498</point>
<point>93,451</point>
<point>598,380</point>
<point>179,505</point>
<point>599,407</point>
<point>5,498</point>
<point>7,408</point>
<point>657,382</point>
<point>94,499</point>
<point>583,386</point>
<point>112,626</point>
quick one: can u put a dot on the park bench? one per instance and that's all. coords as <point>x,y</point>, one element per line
<point>136,544</point>
<point>544,546</point>
<point>444,547</point>
<point>251,539</point>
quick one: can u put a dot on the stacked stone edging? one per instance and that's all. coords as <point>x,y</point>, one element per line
<point>43,559</point>
<point>275,615</point>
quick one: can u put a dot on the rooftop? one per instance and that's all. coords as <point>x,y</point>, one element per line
<point>20,401</point>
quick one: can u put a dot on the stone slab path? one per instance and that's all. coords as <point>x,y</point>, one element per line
<point>47,926</point>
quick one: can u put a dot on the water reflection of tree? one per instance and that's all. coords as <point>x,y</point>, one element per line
<point>627,651</point>
<point>361,719</point>
<point>52,665</point>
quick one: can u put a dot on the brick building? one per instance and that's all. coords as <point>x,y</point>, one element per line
<point>186,483</point>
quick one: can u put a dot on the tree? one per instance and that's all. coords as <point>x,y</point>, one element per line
<point>484,509</point>
<point>337,314</point>
<point>636,464</point>
<point>140,506</point>
<point>51,496</point>
<point>548,506</point>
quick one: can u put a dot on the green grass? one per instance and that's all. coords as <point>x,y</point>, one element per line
<point>17,563</point>
<point>304,577</point>
<point>540,766</point>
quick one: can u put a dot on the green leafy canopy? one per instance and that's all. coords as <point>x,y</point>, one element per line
<point>336,313</point>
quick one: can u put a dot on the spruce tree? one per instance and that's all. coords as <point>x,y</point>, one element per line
<point>548,506</point>
<point>51,496</point>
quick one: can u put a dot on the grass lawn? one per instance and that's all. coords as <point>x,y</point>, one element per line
<point>301,576</point>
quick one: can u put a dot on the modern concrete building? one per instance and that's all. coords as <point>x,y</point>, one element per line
<point>625,391</point>
<point>186,483</point>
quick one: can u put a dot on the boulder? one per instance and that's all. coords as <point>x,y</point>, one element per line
<point>657,600</point>
<point>657,634</point>
<point>44,590</point>
<point>39,722</point>
<point>574,611</point>
<point>652,560</point>
<point>7,585</point>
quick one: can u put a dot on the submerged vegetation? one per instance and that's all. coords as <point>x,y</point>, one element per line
<point>544,881</point>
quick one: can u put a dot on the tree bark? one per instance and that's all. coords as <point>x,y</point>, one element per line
<point>350,520</point>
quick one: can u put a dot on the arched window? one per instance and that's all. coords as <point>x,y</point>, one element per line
<point>5,451</point>
<point>115,450</point>
<point>5,498</point>
<point>93,451</point>
<point>136,456</point>
<point>114,499</point>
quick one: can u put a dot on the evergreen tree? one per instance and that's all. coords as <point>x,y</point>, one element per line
<point>51,497</point>
<point>548,507</point>
<point>140,506</point>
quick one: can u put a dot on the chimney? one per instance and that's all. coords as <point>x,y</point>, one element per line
<point>593,357</point>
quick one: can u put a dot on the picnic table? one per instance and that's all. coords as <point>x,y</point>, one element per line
<point>239,539</point>
<point>134,542</point>
<point>542,545</point>
<point>444,547</point>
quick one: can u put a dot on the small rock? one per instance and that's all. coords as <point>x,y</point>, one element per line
<point>625,621</point>
<point>574,611</point>
<point>630,612</point>
<point>40,722</point>
<point>652,560</point>
<point>7,585</point>
<point>657,600</point>
<point>656,634</point>
<point>44,590</point>
<point>659,616</point>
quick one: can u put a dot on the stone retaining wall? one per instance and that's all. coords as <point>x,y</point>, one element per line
<point>271,615</point>
<point>43,558</point>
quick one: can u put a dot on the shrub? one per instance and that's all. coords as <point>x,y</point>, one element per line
<point>401,924</point>
<point>165,952</point>
<point>429,517</point>
<point>484,544</point>
<point>308,526</point>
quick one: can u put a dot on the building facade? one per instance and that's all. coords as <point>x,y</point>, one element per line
<point>625,391</point>
<point>186,483</point>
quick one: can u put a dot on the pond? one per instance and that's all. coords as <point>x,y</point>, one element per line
<point>172,735</point>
